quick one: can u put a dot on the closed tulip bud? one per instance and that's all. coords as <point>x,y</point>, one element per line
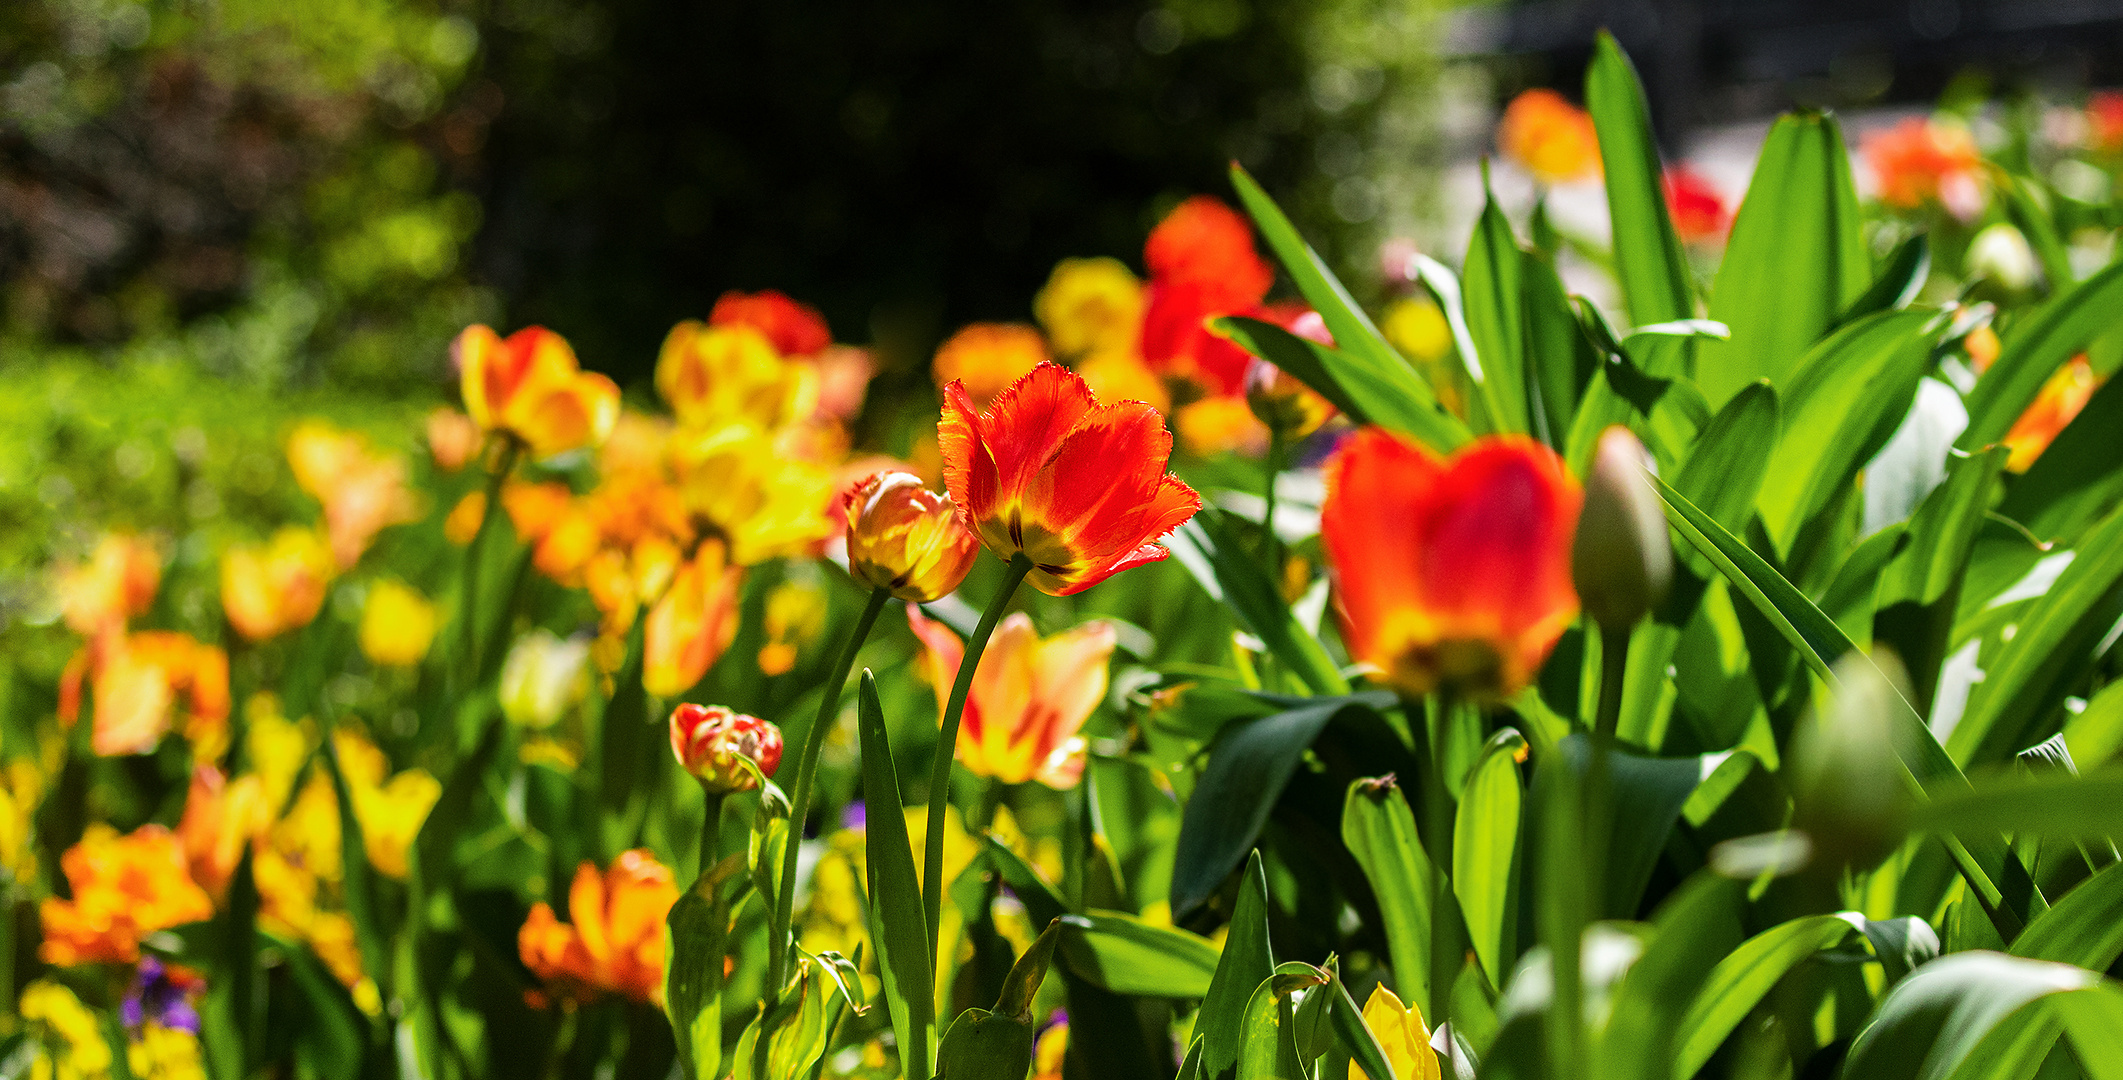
<point>1850,791</point>
<point>709,740</point>
<point>905,538</point>
<point>1622,561</point>
<point>1287,406</point>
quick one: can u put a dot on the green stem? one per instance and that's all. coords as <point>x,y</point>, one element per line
<point>711,834</point>
<point>932,867</point>
<point>1614,667</point>
<point>474,553</point>
<point>800,800</point>
<point>1270,543</point>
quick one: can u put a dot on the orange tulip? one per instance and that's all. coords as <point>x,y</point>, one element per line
<point>221,820</point>
<point>717,375</point>
<point>906,538</point>
<point>792,327</point>
<point>1030,696</point>
<point>125,887</point>
<point>1451,573</point>
<point>277,586</point>
<point>2056,406</point>
<point>1090,306</point>
<point>117,583</point>
<point>1078,487</point>
<point>1921,160</point>
<point>362,491</point>
<point>615,943</point>
<point>138,679</point>
<point>693,623</point>
<point>1549,137</point>
<point>1204,240</point>
<point>452,438</point>
<point>988,357</point>
<point>530,386</point>
<point>1700,215</point>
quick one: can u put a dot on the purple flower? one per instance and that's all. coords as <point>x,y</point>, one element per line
<point>162,995</point>
<point>854,816</point>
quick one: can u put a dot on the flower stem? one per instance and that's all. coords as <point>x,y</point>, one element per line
<point>711,834</point>
<point>932,867</point>
<point>1614,668</point>
<point>1270,543</point>
<point>800,800</point>
<point>474,554</point>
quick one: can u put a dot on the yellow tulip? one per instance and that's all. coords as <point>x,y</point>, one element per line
<point>1401,1033</point>
<point>397,625</point>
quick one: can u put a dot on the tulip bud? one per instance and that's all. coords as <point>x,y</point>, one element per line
<point>905,538</point>
<point>708,740</point>
<point>1287,406</point>
<point>1850,792</point>
<point>2001,255</point>
<point>1621,560</point>
<point>543,677</point>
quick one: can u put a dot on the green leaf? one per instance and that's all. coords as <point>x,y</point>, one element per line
<point>1352,330</point>
<point>1042,903</point>
<point>2079,478</point>
<point>332,1038</point>
<point>1724,471</point>
<point>2081,927</point>
<point>1249,764</point>
<point>1648,795</point>
<point>2049,804</point>
<point>2015,705</point>
<point>694,947</point>
<point>1350,1030</point>
<point>1214,554</point>
<point>1899,281</point>
<point>1795,260</point>
<point>1495,316</point>
<point>897,923</point>
<point>357,887</point>
<point>1379,830</point>
<point>1742,979</point>
<point>797,1037</point>
<point>998,1045</point>
<point>1560,359</point>
<point>1644,1027</point>
<point>1247,959</point>
<point>2038,345</point>
<point>2025,209</point>
<point>1122,954</point>
<point>1268,1045</point>
<point>1485,867</point>
<point>1395,398</point>
<point>1648,260</point>
<point>1666,412</point>
<point>1963,1015</point>
<point>1841,403</point>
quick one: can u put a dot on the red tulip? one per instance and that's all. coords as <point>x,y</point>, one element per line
<point>1078,487</point>
<point>1451,573</point>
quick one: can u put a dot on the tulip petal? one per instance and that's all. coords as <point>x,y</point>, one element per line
<point>969,465</point>
<point>1037,412</point>
<point>1374,494</point>
<point>1496,543</point>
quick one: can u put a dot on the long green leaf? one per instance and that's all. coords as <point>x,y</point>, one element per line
<point>2050,804</point>
<point>1352,329</point>
<point>1485,849</point>
<point>1214,554</point>
<point>1794,262</point>
<point>356,885</point>
<point>694,947</point>
<point>1379,830</point>
<point>1496,317</point>
<point>1395,398</point>
<point>1122,954</point>
<point>2079,478</point>
<point>1647,253</point>
<point>2084,927</point>
<point>897,923</point>
<point>1248,958</point>
<point>1934,1021</point>
<point>2054,643</point>
<point>2034,350</point>
<point>1742,979</point>
<point>1645,1026</point>
<point>997,1044</point>
<point>1842,402</point>
<point>1899,281</point>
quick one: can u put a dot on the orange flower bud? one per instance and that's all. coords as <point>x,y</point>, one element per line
<point>530,386</point>
<point>138,679</point>
<point>616,942</point>
<point>1078,487</point>
<point>988,357</point>
<point>1621,560</point>
<point>906,538</point>
<point>708,740</point>
<point>1450,573</point>
<point>117,583</point>
<point>1029,699</point>
<point>1549,137</point>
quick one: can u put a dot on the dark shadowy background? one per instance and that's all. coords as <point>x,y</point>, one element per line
<point>320,192</point>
